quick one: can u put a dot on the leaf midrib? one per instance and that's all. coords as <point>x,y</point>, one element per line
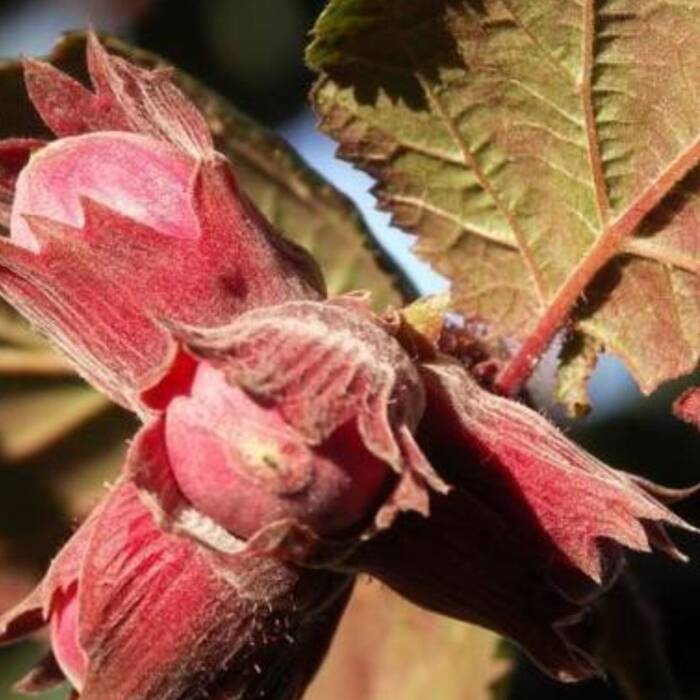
<point>612,235</point>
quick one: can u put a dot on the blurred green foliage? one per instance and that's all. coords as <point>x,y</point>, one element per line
<point>14,662</point>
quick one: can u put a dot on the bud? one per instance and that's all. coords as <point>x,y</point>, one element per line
<point>300,412</point>
<point>130,221</point>
<point>313,434</point>
<point>241,464</point>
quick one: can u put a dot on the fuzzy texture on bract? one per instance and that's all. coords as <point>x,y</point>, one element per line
<point>533,529</point>
<point>328,378</point>
<point>576,499</point>
<point>298,424</point>
<point>157,616</point>
<point>531,533</point>
<point>129,222</point>
<point>495,517</point>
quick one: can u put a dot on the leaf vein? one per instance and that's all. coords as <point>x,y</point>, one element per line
<point>667,257</point>
<point>544,51</point>
<point>471,163</point>
<point>446,216</point>
<point>545,100</point>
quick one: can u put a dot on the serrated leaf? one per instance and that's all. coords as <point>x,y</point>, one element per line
<point>388,648</point>
<point>302,205</point>
<point>544,153</point>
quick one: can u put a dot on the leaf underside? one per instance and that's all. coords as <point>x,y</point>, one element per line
<point>544,152</point>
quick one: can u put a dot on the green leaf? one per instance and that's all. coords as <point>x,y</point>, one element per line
<point>289,192</point>
<point>41,401</point>
<point>544,151</point>
<point>33,418</point>
<point>387,648</point>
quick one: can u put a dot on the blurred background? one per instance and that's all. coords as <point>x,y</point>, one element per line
<point>53,461</point>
